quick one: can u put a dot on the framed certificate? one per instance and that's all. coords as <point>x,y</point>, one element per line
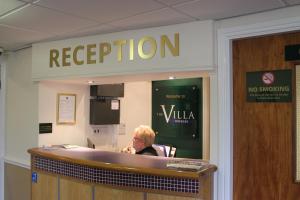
<point>66,108</point>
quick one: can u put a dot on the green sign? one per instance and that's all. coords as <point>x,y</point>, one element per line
<point>177,115</point>
<point>269,86</point>
<point>45,128</point>
<point>177,109</point>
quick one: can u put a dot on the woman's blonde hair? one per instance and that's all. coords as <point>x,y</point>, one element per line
<point>146,134</point>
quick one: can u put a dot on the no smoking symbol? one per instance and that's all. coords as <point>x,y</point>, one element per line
<point>268,78</point>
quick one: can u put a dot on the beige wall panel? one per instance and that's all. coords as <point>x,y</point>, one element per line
<point>21,120</point>
<point>167,197</point>
<point>105,193</point>
<point>71,190</point>
<point>46,187</point>
<point>17,183</point>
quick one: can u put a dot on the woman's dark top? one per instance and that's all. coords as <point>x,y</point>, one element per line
<point>148,151</point>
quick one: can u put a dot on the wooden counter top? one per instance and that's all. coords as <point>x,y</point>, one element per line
<point>152,165</point>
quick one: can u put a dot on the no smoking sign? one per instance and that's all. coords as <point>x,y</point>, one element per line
<point>269,86</point>
<point>268,78</point>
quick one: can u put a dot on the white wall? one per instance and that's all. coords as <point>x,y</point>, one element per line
<point>61,133</point>
<point>21,108</point>
<point>135,110</point>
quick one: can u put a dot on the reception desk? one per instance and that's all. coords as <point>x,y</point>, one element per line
<point>89,174</point>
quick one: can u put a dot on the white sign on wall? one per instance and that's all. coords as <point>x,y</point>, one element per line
<point>182,47</point>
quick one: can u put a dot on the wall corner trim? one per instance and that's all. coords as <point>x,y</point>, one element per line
<point>16,162</point>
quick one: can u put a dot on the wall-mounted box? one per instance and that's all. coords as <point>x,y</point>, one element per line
<point>107,90</point>
<point>104,111</point>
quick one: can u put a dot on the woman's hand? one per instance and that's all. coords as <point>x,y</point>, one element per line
<point>128,149</point>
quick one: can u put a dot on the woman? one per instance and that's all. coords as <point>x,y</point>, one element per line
<point>143,138</point>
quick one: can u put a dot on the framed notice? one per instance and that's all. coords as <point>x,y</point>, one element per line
<point>66,108</point>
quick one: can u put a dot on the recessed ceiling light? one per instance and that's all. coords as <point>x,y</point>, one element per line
<point>172,77</point>
<point>17,9</point>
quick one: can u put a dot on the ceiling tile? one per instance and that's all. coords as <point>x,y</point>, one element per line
<point>102,29</point>
<point>173,2</point>
<point>12,37</point>
<point>60,19</point>
<point>292,2</point>
<point>165,16</point>
<point>219,9</point>
<point>7,5</point>
<point>45,20</point>
<point>104,10</point>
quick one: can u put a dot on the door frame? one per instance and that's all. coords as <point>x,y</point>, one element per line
<point>2,126</point>
<point>223,141</point>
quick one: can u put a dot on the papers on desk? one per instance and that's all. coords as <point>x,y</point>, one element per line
<point>185,165</point>
<point>69,146</point>
<point>54,147</point>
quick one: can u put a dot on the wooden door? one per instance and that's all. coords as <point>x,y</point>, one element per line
<point>45,188</point>
<point>262,138</point>
<point>106,193</point>
<point>72,190</point>
<point>151,196</point>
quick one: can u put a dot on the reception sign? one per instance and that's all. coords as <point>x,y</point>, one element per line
<point>269,86</point>
<point>182,47</point>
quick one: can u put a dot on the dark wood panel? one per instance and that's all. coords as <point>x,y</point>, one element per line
<point>262,141</point>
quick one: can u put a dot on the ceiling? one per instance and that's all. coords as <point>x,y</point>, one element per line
<point>23,22</point>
